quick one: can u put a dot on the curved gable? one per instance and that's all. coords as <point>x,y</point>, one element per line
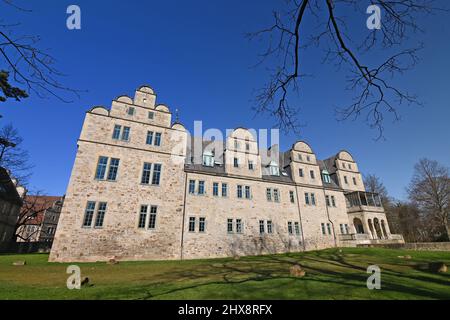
<point>302,146</point>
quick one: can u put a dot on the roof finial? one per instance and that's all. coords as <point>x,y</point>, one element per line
<point>176,115</point>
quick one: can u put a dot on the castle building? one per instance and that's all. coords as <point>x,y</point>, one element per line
<point>141,188</point>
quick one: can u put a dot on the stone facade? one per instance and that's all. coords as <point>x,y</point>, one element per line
<point>142,188</point>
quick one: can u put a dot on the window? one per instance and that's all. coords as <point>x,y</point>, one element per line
<point>291,196</point>
<point>191,224</point>
<point>345,180</point>
<point>191,186</point>
<point>215,189</point>
<point>229,225</point>
<point>247,192</point>
<point>354,181</point>
<point>126,133</point>
<point>346,228</point>
<point>326,177</point>
<point>313,199</point>
<point>274,169</point>
<point>290,230</point>
<point>208,159</point>
<point>235,163</point>
<point>269,194</point>
<point>308,158</point>
<point>89,214</point>
<point>149,139</point>
<point>247,146</point>
<point>276,195</point>
<point>311,174</point>
<point>101,168</point>
<point>343,165</point>
<point>333,202</point>
<point>224,190</point>
<point>201,187</point>
<point>158,139</point>
<point>238,226</point>
<point>261,226</point>
<point>116,132</point>
<point>324,232</point>
<point>236,144</point>
<point>239,191</point>
<point>151,115</point>
<point>152,217</point>
<point>201,224</point>
<point>156,174</point>
<point>250,165</point>
<point>131,111</point>
<point>307,198</point>
<point>146,173</point>
<point>329,228</point>
<point>327,200</point>
<point>269,226</point>
<point>300,172</point>
<point>300,158</point>
<point>113,167</point>
<point>297,228</point>
<point>341,226</point>
<point>350,166</point>
<point>142,216</point>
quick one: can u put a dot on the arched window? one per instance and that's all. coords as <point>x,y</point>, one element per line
<point>326,176</point>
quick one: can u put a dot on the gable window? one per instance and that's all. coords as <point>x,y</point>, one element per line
<point>201,187</point>
<point>151,115</point>
<point>247,192</point>
<point>354,181</point>
<point>261,226</point>
<point>290,230</point>
<point>113,168</point>
<point>191,224</point>
<point>208,159</point>
<point>236,144</point>
<point>350,166</point>
<point>276,195</point>
<point>307,198</point>
<point>297,228</point>
<point>131,111</point>
<point>300,158</point>
<point>89,214</point>
<point>224,190</point>
<point>191,186</point>
<point>229,225</point>
<point>116,132</point>
<point>215,189</point>
<point>269,194</point>
<point>250,165</point>
<point>101,168</point>
<point>126,134</point>
<point>247,146</point>
<point>239,191</point>
<point>308,158</point>
<point>274,169</point>
<point>291,196</point>
<point>327,200</point>
<point>326,176</point>
<point>345,180</point>
<point>236,163</point>
<point>149,139</point>
<point>300,172</point>
<point>343,165</point>
<point>201,224</point>
<point>311,174</point>
<point>158,139</point>
<point>238,226</point>
<point>333,201</point>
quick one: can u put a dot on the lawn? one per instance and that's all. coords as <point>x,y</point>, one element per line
<point>330,274</point>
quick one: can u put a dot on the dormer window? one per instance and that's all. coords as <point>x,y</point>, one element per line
<point>326,176</point>
<point>208,159</point>
<point>274,170</point>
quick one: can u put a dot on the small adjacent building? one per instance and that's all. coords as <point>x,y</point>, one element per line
<point>10,204</point>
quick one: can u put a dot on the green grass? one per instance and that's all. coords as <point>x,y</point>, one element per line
<point>331,274</point>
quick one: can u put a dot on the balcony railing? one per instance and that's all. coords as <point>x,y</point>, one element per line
<point>359,198</point>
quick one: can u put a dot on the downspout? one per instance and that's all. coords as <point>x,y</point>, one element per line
<point>184,213</point>
<point>300,217</point>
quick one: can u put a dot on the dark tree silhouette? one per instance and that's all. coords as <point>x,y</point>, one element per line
<point>375,92</point>
<point>31,69</point>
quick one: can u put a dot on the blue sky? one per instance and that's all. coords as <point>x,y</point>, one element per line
<point>196,57</point>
